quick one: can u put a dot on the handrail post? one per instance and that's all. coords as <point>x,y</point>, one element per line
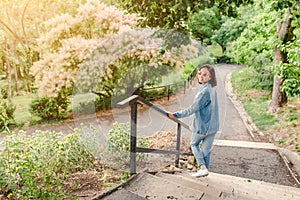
<point>168,91</point>
<point>178,144</point>
<point>133,137</point>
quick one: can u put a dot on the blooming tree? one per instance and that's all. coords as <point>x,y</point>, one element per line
<point>71,39</point>
<point>96,47</point>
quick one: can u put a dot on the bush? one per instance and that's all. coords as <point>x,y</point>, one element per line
<point>6,114</point>
<point>35,166</point>
<point>50,108</point>
<point>117,148</point>
<point>224,59</point>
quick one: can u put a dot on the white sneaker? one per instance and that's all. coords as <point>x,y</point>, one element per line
<point>201,172</point>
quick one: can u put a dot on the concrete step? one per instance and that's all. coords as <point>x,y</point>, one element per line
<point>123,194</point>
<point>210,192</point>
<point>182,186</point>
<point>155,187</point>
<point>243,188</point>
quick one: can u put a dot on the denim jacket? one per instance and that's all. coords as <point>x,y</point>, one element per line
<point>205,109</point>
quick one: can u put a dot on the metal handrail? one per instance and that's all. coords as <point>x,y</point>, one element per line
<point>133,101</point>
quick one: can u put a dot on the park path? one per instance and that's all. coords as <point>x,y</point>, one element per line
<point>149,121</point>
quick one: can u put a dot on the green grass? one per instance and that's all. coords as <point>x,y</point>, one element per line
<point>22,103</point>
<point>255,101</point>
<point>257,109</point>
<point>214,50</point>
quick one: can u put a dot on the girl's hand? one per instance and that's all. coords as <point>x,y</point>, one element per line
<point>170,115</point>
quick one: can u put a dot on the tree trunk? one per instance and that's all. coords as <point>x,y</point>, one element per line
<point>223,49</point>
<point>16,78</point>
<point>9,82</point>
<point>284,32</point>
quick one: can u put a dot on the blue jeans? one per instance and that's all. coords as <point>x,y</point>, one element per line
<point>202,154</point>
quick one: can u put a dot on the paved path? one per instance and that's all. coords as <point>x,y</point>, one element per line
<point>150,122</point>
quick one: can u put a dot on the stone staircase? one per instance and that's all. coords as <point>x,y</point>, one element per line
<point>182,186</point>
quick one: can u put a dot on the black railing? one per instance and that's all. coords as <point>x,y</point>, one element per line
<point>167,90</point>
<point>153,93</point>
<point>132,102</point>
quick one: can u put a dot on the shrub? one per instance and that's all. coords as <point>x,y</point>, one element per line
<point>223,59</point>
<point>6,114</point>
<point>50,108</point>
<point>35,166</point>
<point>118,145</point>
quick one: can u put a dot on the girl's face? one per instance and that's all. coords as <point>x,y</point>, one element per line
<point>203,75</point>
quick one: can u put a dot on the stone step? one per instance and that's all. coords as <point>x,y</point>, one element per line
<point>209,191</point>
<point>123,194</point>
<point>243,188</point>
<point>158,188</point>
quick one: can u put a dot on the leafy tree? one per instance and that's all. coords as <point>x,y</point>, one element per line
<point>173,14</point>
<point>161,14</point>
<point>273,28</point>
<point>230,30</point>
<point>204,23</point>
<point>284,80</point>
<point>255,46</point>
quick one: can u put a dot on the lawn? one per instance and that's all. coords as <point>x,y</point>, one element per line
<point>22,103</point>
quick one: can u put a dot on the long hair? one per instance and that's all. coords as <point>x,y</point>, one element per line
<point>211,69</point>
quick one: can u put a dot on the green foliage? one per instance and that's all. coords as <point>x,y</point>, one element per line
<point>50,108</point>
<point>6,114</point>
<point>229,31</point>
<point>3,89</point>
<point>85,103</point>
<point>117,148</point>
<point>35,166</point>
<point>255,46</point>
<point>171,35</point>
<point>204,23</point>
<point>195,63</point>
<point>291,71</point>
<point>172,14</point>
<point>161,13</point>
<point>188,69</point>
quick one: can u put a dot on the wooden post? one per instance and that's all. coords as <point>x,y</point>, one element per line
<point>178,144</point>
<point>168,91</point>
<point>133,137</point>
